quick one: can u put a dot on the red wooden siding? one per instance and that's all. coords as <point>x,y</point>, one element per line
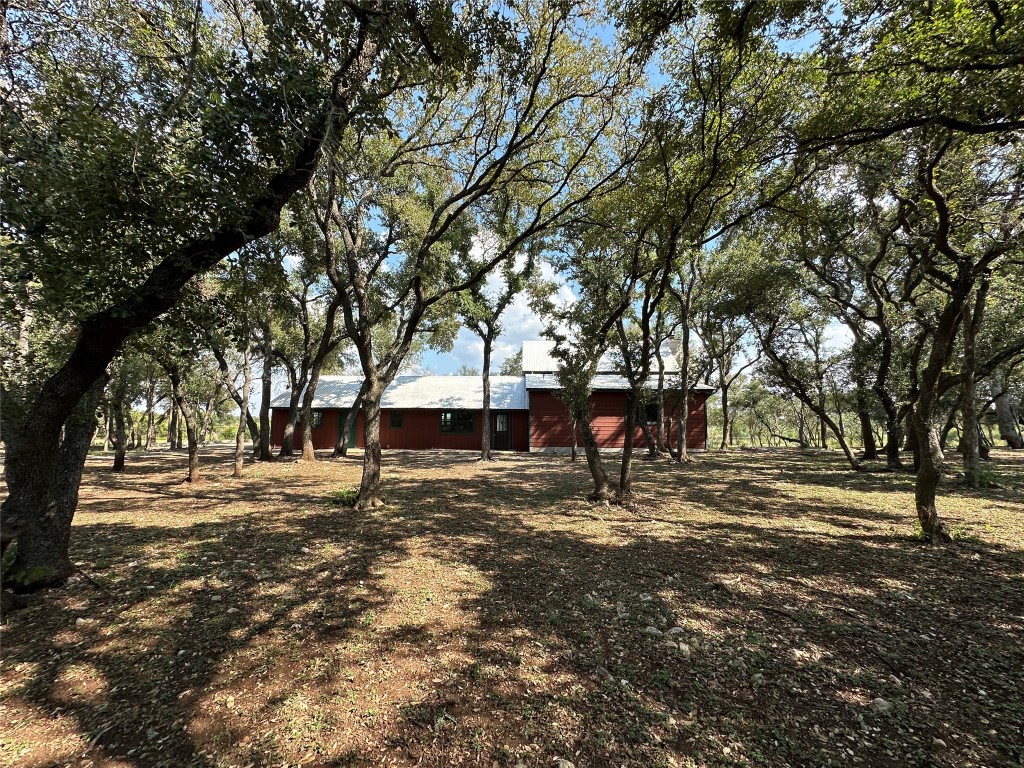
<point>325,436</point>
<point>421,429</point>
<point>549,422</point>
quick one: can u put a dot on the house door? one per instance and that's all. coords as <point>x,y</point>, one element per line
<point>342,415</point>
<point>501,432</point>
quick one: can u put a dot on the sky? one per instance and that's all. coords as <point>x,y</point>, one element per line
<point>520,323</point>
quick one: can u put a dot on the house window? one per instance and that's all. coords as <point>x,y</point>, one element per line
<point>457,422</point>
<point>397,419</point>
<point>317,419</point>
<point>650,410</point>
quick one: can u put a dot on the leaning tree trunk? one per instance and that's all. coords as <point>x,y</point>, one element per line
<point>602,488</point>
<point>485,420</point>
<point>369,495</point>
<point>341,448</point>
<point>1005,416</point>
<point>626,470</point>
<point>243,415</point>
<point>44,494</point>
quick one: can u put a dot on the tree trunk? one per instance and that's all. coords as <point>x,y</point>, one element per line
<point>172,425</point>
<point>572,440</point>
<point>108,428</point>
<point>970,443</point>
<point>308,452</point>
<point>822,425</point>
<point>485,420</point>
<point>268,379</point>
<point>341,449</point>
<point>120,438</point>
<point>293,416</point>
<point>602,488</point>
<point>369,486</point>
<point>660,446</point>
<point>1005,415</point>
<point>725,412</point>
<point>243,416</point>
<point>44,494</point>
<point>626,470</point>
<point>867,434</point>
<point>683,412</point>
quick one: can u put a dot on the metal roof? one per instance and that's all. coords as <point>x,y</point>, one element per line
<point>537,358</point>
<point>607,382</point>
<point>421,392</point>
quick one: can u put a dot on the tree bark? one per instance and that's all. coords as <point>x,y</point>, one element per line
<point>724,385</point>
<point>265,453</point>
<point>341,449</point>
<point>369,486</point>
<point>293,416</point>
<point>1005,415</point>
<point>243,416</point>
<point>970,443</point>
<point>43,537</point>
<point>173,432</point>
<point>308,452</point>
<point>867,434</point>
<point>120,438</point>
<point>603,490</point>
<point>626,469</point>
<point>485,420</point>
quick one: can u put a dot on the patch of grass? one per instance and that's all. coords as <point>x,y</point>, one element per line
<point>345,498</point>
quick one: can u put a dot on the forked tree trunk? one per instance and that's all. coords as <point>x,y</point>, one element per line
<point>50,491</point>
<point>485,420</point>
<point>369,486</point>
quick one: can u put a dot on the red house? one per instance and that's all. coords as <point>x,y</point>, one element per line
<point>428,412</point>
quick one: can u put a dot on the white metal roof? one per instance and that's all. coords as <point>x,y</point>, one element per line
<point>607,382</point>
<point>421,392</point>
<point>537,358</point>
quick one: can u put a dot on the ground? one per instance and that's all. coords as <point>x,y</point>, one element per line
<point>751,609</point>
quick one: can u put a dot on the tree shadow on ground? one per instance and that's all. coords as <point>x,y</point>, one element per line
<point>488,616</point>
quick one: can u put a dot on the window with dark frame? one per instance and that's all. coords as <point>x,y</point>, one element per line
<point>650,410</point>
<point>397,419</point>
<point>457,422</point>
<point>317,419</point>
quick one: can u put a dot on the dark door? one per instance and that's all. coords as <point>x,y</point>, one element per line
<point>342,415</point>
<point>501,431</point>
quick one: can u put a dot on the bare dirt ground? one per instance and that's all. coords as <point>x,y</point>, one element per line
<point>751,609</point>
